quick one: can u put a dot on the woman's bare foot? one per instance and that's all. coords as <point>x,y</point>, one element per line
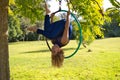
<point>33,28</point>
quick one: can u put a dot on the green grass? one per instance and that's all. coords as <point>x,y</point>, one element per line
<point>32,61</point>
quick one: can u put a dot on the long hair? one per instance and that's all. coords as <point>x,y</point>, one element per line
<point>57,59</point>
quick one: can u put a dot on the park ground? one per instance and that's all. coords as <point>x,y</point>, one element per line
<point>32,61</point>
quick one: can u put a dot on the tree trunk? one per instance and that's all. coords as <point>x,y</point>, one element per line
<point>4,56</point>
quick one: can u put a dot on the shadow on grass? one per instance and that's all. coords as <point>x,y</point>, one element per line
<point>46,50</point>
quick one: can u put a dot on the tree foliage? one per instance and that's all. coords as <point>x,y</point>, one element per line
<point>32,9</point>
<point>89,10</point>
<point>112,29</point>
<point>115,3</point>
<point>15,31</point>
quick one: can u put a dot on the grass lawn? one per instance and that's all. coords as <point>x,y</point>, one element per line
<point>32,61</point>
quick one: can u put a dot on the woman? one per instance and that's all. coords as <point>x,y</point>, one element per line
<point>58,32</point>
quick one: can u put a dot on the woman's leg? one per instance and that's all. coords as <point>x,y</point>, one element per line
<point>47,18</point>
<point>65,36</point>
<point>47,23</point>
<point>49,35</point>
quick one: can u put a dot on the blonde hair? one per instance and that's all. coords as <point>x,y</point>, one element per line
<point>57,59</point>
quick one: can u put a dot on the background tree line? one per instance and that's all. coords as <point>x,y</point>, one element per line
<point>23,14</point>
<point>112,27</point>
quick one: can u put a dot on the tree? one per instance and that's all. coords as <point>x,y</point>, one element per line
<point>4,56</point>
<point>115,3</point>
<point>29,12</point>
<point>91,13</point>
<point>15,32</point>
<point>112,28</point>
<point>14,29</point>
<point>32,9</point>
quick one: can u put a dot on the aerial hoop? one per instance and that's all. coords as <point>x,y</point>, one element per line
<point>80,37</point>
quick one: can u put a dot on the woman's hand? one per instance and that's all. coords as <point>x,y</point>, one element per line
<point>68,13</point>
<point>52,15</point>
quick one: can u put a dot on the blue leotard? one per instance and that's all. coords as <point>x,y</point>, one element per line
<point>54,31</point>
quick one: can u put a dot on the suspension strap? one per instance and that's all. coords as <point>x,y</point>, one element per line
<point>60,1</point>
<point>48,44</point>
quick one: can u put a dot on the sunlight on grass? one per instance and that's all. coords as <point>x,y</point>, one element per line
<point>32,61</point>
